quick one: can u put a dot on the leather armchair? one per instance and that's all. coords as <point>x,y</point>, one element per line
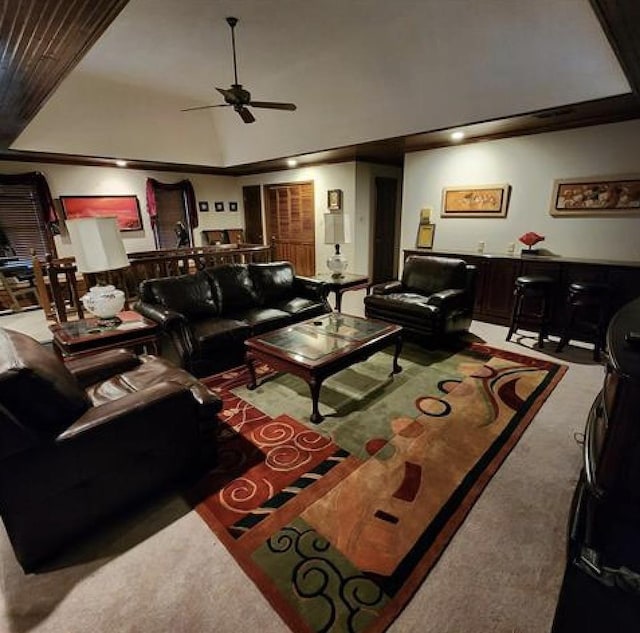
<point>82,440</point>
<point>434,297</point>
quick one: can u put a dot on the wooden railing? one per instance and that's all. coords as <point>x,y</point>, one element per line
<point>58,283</point>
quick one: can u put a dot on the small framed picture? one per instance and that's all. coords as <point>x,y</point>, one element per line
<point>425,235</point>
<point>218,206</point>
<point>334,199</point>
<point>203,206</point>
<point>233,206</point>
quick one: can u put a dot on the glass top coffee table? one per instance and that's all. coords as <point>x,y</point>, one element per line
<point>318,348</point>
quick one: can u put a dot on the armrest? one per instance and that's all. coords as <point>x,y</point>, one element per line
<point>151,403</point>
<point>164,316</point>
<point>386,288</point>
<point>91,369</point>
<point>312,288</point>
<point>447,300</point>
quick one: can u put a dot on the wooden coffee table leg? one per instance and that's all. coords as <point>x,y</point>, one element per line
<point>314,386</point>
<point>252,373</point>
<point>396,368</point>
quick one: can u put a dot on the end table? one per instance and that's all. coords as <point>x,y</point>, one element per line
<point>338,285</point>
<point>85,336</point>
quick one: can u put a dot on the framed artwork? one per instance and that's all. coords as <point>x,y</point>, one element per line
<point>425,235</point>
<point>481,201</point>
<point>605,196</point>
<point>233,206</point>
<point>334,199</point>
<point>203,206</point>
<point>126,209</point>
<point>218,206</point>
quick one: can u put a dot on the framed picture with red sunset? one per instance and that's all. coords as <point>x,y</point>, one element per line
<point>126,209</point>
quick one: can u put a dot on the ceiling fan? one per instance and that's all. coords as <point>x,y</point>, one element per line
<point>236,96</point>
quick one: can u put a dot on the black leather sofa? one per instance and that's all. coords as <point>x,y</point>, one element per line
<point>207,316</point>
<point>82,440</point>
<point>434,297</point>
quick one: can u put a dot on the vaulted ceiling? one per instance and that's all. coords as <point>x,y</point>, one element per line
<point>371,79</point>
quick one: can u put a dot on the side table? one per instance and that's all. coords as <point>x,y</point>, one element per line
<point>339,285</point>
<point>85,336</point>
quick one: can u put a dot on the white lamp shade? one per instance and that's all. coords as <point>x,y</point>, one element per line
<point>97,244</point>
<point>337,229</point>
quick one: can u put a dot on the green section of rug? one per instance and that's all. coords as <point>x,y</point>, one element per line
<point>339,523</point>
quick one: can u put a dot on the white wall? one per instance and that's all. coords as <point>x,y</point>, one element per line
<point>70,180</point>
<point>529,164</point>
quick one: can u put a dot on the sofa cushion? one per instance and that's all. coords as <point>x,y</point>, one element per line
<point>273,281</point>
<point>190,295</point>
<point>28,368</point>
<point>234,288</point>
<point>426,275</point>
<point>301,307</point>
<point>263,319</point>
<point>213,336</point>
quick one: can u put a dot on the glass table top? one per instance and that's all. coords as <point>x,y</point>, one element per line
<point>323,336</point>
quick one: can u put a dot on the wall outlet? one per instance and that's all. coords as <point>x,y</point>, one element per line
<point>511,248</point>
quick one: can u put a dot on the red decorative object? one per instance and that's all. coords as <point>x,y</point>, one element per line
<point>531,238</point>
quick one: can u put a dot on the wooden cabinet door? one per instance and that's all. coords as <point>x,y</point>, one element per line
<point>496,294</point>
<point>290,219</point>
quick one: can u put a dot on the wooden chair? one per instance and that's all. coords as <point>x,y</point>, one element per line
<point>15,289</point>
<point>236,236</point>
<point>56,283</point>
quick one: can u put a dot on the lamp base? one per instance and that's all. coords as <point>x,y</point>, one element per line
<point>337,263</point>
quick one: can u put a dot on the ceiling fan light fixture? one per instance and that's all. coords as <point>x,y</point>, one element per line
<point>458,135</point>
<point>238,97</point>
<point>121,163</point>
<point>292,162</point>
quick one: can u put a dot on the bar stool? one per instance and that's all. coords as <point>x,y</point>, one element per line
<point>587,310</point>
<point>539,288</point>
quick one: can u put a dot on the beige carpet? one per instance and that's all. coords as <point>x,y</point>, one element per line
<point>163,570</point>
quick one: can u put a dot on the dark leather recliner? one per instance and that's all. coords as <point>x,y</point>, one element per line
<point>82,440</point>
<point>207,316</point>
<point>434,297</point>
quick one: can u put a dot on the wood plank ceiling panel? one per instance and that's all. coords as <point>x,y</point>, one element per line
<point>41,41</point>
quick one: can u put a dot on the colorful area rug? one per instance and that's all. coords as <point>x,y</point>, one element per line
<point>339,523</point>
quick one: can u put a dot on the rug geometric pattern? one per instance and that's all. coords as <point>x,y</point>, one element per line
<point>339,523</point>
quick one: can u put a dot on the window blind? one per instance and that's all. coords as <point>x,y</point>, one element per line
<point>21,221</point>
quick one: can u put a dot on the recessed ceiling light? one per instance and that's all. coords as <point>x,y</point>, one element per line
<point>121,163</point>
<point>457,136</point>
<point>292,162</point>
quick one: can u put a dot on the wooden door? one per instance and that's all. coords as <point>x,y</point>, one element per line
<point>290,220</point>
<point>252,202</point>
<point>385,243</point>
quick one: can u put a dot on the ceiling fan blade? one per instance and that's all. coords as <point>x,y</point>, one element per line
<point>273,105</point>
<point>219,105</point>
<point>246,115</point>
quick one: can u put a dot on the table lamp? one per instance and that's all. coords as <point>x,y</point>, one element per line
<point>336,231</point>
<point>98,248</point>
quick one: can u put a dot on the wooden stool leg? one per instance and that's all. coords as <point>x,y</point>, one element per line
<point>568,325</point>
<point>515,313</point>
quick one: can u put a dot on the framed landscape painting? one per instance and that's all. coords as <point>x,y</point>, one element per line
<point>126,209</point>
<point>605,197</point>
<point>480,201</point>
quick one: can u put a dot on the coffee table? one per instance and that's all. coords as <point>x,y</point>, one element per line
<point>318,348</point>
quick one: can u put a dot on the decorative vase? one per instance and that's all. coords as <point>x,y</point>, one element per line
<point>337,263</point>
<point>104,302</point>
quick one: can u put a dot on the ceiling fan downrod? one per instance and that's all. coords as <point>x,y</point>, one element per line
<point>231,21</point>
